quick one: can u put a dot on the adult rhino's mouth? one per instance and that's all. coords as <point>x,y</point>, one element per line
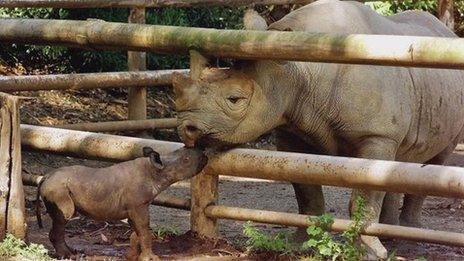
<point>209,141</point>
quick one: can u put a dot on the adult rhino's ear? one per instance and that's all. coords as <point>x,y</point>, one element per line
<point>180,81</point>
<point>253,21</point>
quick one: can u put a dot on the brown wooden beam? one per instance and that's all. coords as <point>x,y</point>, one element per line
<point>84,81</point>
<point>339,225</point>
<point>434,52</point>
<point>129,125</point>
<point>141,3</point>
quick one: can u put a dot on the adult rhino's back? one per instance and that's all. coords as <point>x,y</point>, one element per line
<point>436,95</point>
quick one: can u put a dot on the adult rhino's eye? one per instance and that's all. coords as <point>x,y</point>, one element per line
<point>234,99</point>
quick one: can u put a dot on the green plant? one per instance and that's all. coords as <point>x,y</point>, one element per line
<point>14,247</point>
<point>258,241</point>
<point>164,231</point>
<point>322,243</point>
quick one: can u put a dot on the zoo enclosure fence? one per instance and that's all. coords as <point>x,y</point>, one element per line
<point>349,172</point>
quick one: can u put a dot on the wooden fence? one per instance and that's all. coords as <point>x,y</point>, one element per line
<point>12,204</point>
<point>356,49</point>
<point>292,167</point>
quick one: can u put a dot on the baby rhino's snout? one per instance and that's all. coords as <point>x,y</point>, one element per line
<point>188,162</point>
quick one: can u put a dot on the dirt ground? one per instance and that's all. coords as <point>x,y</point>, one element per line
<point>104,241</point>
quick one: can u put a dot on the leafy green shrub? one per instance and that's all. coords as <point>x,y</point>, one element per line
<point>164,231</point>
<point>321,243</point>
<point>14,247</point>
<point>258,241</point>
<point>325,246</point>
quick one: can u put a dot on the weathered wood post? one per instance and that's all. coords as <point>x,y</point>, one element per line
<point>12,205</point>
<point>137,61</point>
<point>204,187</point>
<point>446,12</point>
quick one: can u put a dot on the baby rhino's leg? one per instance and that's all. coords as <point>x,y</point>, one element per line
<point>134,250</point>
<point>57,233</point>
<point>140,221</point>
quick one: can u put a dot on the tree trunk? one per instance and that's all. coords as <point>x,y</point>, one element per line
<point>446,13</point>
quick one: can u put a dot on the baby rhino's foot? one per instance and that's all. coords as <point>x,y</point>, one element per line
<point>63,252</point>
<point>148,257</point>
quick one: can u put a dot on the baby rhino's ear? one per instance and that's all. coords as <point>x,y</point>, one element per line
<point>154,156</point>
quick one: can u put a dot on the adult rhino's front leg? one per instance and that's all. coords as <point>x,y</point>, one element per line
<point>310,198</point>
<point>373,148</point>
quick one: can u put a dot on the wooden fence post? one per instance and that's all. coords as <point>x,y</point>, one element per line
<point>204,187</point>
<point>137,61</point>
<point>12,204</point>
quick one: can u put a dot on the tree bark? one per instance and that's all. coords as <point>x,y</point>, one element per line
<point>434,52</point>
<point>446,13</point>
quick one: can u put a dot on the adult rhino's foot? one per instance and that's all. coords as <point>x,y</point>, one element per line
<point>374,248</point>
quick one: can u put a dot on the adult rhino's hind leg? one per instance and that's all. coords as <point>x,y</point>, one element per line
<point>373,148</point>
<point>310,198</point>
<point>411,212</point>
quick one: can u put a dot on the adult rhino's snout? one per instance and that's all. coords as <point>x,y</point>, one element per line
<point>190,133</point>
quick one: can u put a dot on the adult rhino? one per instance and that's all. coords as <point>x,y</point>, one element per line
<point>376,112</point>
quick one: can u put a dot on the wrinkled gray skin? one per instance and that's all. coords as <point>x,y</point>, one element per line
<point>376,112</point>
<point>124,190</point>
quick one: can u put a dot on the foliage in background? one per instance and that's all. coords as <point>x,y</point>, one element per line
<point>64,60</point>
<point>13,247</point>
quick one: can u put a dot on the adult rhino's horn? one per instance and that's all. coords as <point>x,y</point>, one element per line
<point>180,81</point>
<point>253,21</point>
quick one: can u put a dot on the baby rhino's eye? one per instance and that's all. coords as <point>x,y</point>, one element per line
<point>186,159</point>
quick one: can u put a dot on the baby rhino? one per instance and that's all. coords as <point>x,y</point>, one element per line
<point>124,190</point>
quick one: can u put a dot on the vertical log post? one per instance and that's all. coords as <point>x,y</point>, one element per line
<point>204,187</point>
<point>446,13</point>
<point>12,204</point>
<point>137,61</point>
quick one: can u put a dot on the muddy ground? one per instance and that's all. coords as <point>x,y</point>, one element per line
<point>103,241</point>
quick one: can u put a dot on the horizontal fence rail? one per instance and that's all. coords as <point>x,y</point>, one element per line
<point>127,125</point>
<point>339,225</point>
<point>142,3</point>
<point>83,81</point>
<point>434,52</point>
<point>284,166</point>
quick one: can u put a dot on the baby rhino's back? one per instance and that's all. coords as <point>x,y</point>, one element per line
<point>102,193</point>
